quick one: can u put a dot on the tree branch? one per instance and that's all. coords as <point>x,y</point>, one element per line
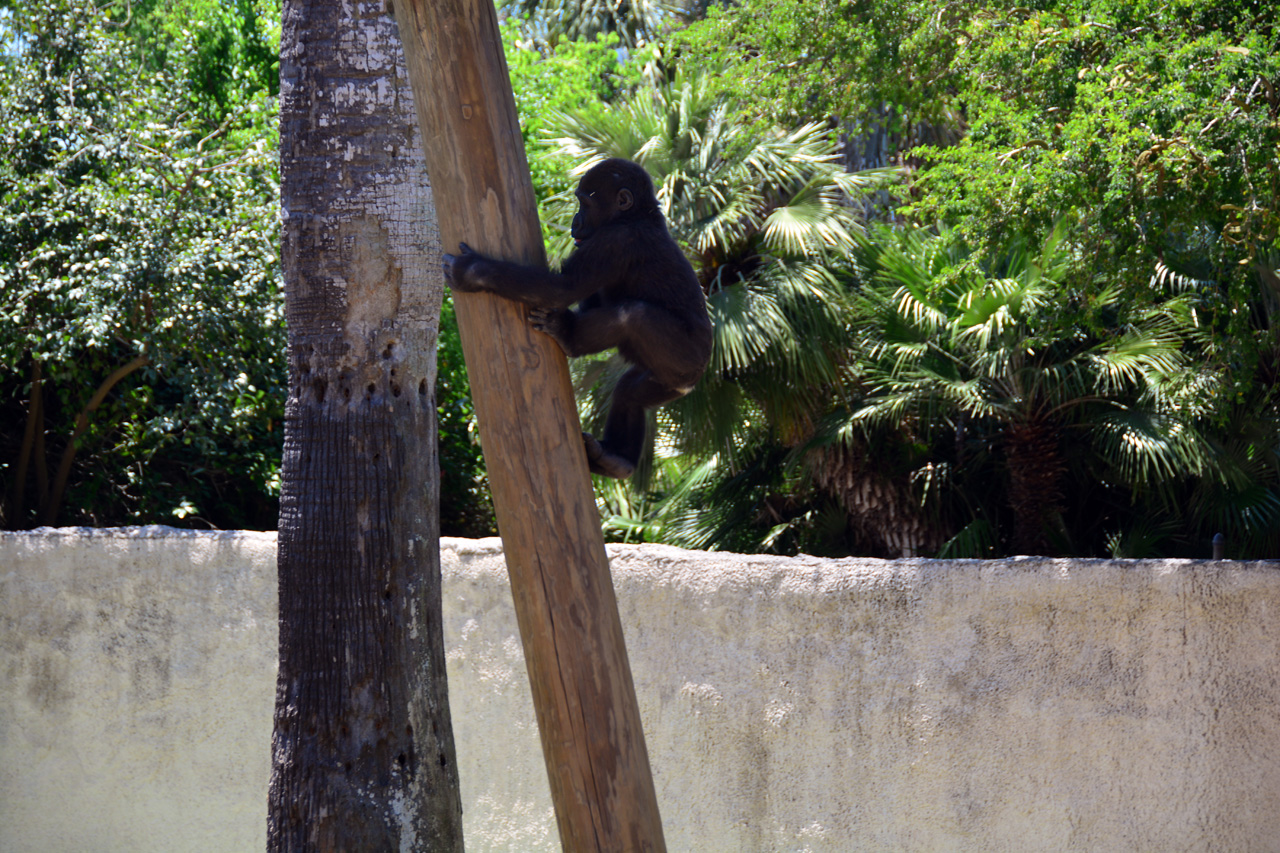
<point>82,424</point>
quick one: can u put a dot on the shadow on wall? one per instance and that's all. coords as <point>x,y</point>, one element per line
<point>789,704</point>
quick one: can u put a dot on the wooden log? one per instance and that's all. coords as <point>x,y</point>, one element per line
<point>582,688</point>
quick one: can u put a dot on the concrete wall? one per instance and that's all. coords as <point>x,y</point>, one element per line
<point>137,682</point>
<point>789,704</point>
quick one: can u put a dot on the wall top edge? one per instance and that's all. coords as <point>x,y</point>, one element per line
<point>151,531</point>
<point>492,546</point>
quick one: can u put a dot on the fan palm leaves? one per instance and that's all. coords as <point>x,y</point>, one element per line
<point>1014,353</point>
<point>764,215</point>
<point>761,213</point>
<point>888,391</point>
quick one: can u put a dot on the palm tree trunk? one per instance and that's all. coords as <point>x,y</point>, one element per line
<point>1035,485</point>
<point>884,513</point>
<point>363,751</point>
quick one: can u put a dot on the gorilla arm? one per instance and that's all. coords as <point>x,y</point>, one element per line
<point>540,288</point>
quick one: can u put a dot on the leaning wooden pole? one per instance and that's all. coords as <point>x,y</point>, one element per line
<point>582,689</point>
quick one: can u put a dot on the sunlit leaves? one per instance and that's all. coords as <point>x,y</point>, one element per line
<point>634,22</point>
<point>138,219</point>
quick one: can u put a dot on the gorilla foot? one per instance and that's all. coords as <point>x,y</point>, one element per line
<point>553,322</point>
<point>604,463</point>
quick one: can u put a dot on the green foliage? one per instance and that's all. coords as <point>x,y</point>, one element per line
<point>225,50</point>
<point>141,320</point>
<point>632,23</point>
<point>465,507</point>
<point>1158,124</point>
<point>1083,357</point>
<point>1153,128</point>
<point>1159,120</point>
<point>1160,131</point>
<point>796,61</point>
<point>1031,380</point>
<point>573,76</point>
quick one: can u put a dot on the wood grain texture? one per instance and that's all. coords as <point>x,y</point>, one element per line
<point>582,688</point>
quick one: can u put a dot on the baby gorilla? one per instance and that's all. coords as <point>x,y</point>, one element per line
<point>634,290</point>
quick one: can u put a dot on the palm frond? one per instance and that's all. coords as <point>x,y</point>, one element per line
<point>1147,449</point>
<point>810,222</point>
<point>976,540</point>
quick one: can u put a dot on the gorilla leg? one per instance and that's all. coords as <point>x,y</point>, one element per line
<point>616,454</point>
<point>644,334</point>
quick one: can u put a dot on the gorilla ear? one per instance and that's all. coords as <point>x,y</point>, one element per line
<point>625,199</point>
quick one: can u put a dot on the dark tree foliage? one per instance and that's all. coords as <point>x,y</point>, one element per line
<point>140,321</point>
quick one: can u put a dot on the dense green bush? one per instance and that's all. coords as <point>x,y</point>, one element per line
<point>465,505</point>
<point>140,320</point>
<point>1151,129</point>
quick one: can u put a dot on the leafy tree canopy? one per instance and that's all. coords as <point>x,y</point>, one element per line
<point>1151,127</point>
<point>1157,122</point>
<point>140,315</point>
<point>1156,126</point>
<point>578,76</point>
<point>804,60</point>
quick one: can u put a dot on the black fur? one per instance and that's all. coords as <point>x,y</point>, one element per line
<point>634,290</point>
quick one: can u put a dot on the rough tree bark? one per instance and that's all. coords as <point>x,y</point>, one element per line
<point>588,717</point>
<point>363,754</point>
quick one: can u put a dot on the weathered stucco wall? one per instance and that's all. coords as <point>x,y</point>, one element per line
<point>137,682</point>
<point>789,705</point>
